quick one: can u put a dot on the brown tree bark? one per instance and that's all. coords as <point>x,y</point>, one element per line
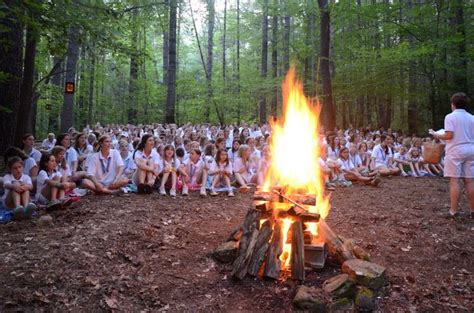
<point>210,56</point>
<point>171,93</point>
<point>274,105</point>
<point>262,103</point>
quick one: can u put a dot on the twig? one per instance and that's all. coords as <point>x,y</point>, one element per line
<point>290,200</point>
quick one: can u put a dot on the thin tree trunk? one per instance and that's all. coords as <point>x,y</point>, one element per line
<point>309,75</point>
<point>461,74</point>
<point>328,109</point>
<point>56,82</point>
<point>264,65</point>
<point>24,111</point>
<point>210,55</point>
<point>224,76</point>
<point>286,39</point>
<point>132,86</point>
<point>90,106</point>
<point>238,63</point>
<point>11,34</point>
<point>274,106</point>
<point>412,87</point>
<point>67,111</point>
<point>165,46</point>
<point>171,93</point>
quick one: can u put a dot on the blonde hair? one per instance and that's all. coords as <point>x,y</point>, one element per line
<point>242,150</point>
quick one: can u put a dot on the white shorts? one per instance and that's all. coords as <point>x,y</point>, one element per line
<point>460,162</point>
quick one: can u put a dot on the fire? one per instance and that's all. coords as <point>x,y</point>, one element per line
<point>295,146</point>
<point>295,149</point>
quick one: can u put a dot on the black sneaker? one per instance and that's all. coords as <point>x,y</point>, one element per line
<point>141,189</point>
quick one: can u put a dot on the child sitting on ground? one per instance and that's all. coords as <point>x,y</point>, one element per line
<point>170,170</point>
<point>221,170</point>
<point>242,169</point>
<point>49,189</point>
<point>17,190</point>
<point>195,173</point>
<point>402,161</point>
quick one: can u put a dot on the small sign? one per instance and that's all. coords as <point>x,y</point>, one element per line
<point>70,87</point>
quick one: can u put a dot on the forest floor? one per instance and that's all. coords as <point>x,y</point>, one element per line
<point>138,252</point>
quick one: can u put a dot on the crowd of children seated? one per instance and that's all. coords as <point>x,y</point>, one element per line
<point>202,158</point>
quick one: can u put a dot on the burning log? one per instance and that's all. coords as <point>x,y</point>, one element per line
<point>297,251</point>
<point>260,250</point>
<point>336,247</point>
<point>247,243</point>
<point>272,262</point>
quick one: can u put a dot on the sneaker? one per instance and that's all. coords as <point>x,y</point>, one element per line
<point>203,193</point>
<point>53,206</point>
<point>29,209</point>
<point>185,190</point>
<point>231,194</point>
<point>404,174</point>
<point>148,189</point>
<point>162,191</point>
<point>173,193</point>
<point>18,213</point>
<point>213,192</point>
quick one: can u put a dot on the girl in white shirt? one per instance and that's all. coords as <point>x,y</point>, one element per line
<point>83,150</point>
<point>242,169</point>
<point>105,168</point>
<point>351,173</point>
<point>263,165</point>
<point>63,168</point>
<point>382,158</point>
<point>28,147</point>
<point>17,189</point>
<point>221,169</point>
<point>30,166</point>
<point>402,161</point>
<point>127,158</point>
<point>71,158</point>
<point>147,162</point>
<point>194,173</point>
<point>170,169</point>
<point>49,189</point>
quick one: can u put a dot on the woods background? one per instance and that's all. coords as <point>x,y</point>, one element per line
<point>379,63</point>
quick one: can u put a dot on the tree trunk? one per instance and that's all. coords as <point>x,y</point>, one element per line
<point>286,40</point>
<point>90,104</point>
<point>171,93</point>
<point>274,108</point>
<point>264,65</point>
<point>237,75</point>
<point>461,72</point>
<point>412,87</point>
<point>67,111</point>
<point>310,67</point>
<point>328,108</point>
<point>224,74</point>
<point>11,32</point>
<point>132,85</point>
<point>165,46</point>
<point>210,56</point>
<point>24,111</point>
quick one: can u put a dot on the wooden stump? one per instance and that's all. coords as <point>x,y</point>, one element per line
<point>272,261</point>
<point>260,250</point>
<point>336,247</point>
<point>297,251</point>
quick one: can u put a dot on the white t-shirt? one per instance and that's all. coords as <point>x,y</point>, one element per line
<point>35,154</point>
<point>154,156</point>
<point>355,159</point>
<point>381,157</point>
<point>128,164</point>
<point>9,179</point>
<point>104,169</point>
<point>70,156</point>
<point>399,156</point>
<point>87,150</point>
<point>43,176</point>
<point>239,166</point>
<point>28,164</point>
<point>215,167</point>
<point>346,165</point>
<point>461,123</point>
<point>48,145</point>
<point>193,169</point>
<point>173,164</point>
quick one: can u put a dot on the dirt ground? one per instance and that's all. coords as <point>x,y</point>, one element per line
<point>149,253</point>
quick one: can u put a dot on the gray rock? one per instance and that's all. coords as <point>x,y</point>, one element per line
<point>365,273</point>
<point>342,305</point>
<point>340,286</point>
<point>365,300</point>
<point>226,252</point>
<point>311,299</point>
<point>45,220</point>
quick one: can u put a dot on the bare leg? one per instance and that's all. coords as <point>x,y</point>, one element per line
<point>25,198</point>
<point>354,177</point>
<point>417,168</point>
<point>141,174</point>
<point>469,183</point>
<point>12,200</point>
<point>163,180</point>
<point>173,180</point>
<point>454,192</point>
<point>215,181</point>
<point>240,180</point>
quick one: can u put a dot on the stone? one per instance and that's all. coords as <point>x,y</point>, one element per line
<point>340,286</point>
<point>226,252</point>
<point>360,253</point>
<point>45,220</point>
<point>365,300</point>
<point>342,305</point>
<point>365,273</point>
<point>311,299</point>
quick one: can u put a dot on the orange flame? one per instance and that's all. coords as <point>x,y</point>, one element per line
<point>295,146</point>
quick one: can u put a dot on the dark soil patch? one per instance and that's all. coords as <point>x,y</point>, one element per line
<point>134,253</point>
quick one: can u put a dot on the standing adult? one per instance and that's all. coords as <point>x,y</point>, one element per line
<point>459,160</point>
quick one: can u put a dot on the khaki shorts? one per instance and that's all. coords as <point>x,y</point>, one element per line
<point>460,163</point>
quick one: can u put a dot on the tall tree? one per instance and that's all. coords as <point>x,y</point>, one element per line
<point>56,79</point>
<point>133,77</point>
<point>165,44</point>
<point>237,74</point>
<point>25,112</point>
<point>11,44</point>
<point>90,98</point>
<point>286,38</point>
<point>224,65</point>
<point>328,109</point>
<point>264,65</point>
<point>67,110</point>
<point>171,92</point>
<point>461,72</point>
<point>275,58</point>
<point>210,55</point>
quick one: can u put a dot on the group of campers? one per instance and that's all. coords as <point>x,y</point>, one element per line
<point>201,158</point>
